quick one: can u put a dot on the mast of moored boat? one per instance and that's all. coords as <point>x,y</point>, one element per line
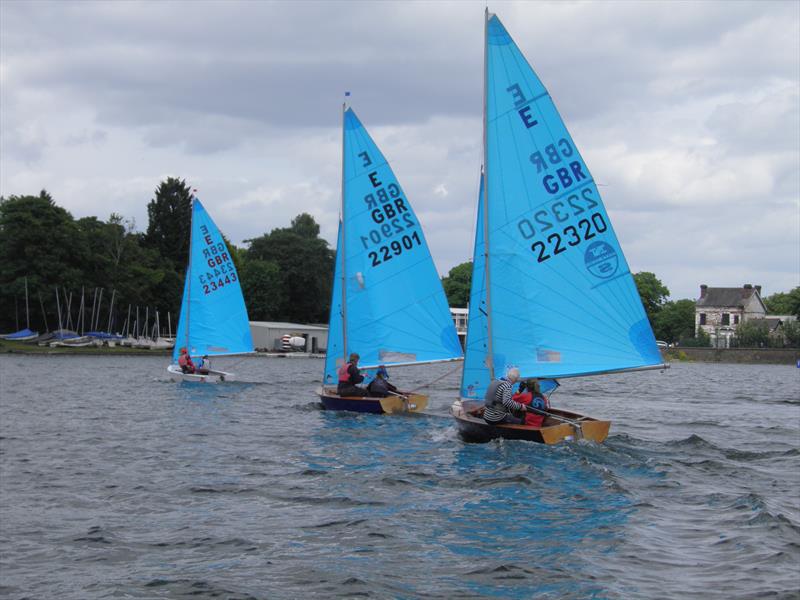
<point>44,313</point>
<point>110,310</point>
<point>341,250</point>
<point>489,344</point>
<point>27,313</point>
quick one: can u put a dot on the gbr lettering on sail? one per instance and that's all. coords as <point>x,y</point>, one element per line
<point>571,216</point>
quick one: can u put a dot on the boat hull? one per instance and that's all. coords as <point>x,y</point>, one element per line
<point>389,405</point>
<point>472,428</point>
<point>212,376</point>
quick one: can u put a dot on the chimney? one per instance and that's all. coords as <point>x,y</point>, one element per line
<point>758,289</point>
<point>746,290</point>
<point>703,290</point>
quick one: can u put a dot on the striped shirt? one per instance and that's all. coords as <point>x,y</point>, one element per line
<point>502,403</point>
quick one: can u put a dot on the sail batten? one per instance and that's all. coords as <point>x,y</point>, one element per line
<point>389,306</point>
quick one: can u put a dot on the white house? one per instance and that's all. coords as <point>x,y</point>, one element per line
<point>718,311</point>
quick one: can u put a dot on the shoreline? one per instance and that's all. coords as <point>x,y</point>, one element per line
<point>12,347</point>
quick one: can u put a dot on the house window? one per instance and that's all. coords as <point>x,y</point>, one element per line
<point>735,319</point>
<point>726,318</point>
<point>702,318</point>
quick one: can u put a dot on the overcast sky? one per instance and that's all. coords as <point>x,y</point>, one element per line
<point>686,113</point>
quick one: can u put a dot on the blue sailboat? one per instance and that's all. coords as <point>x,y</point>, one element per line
<point>552,294</point>
<point>213,320</point>
<point>23,335</point>
<point>387,302</point>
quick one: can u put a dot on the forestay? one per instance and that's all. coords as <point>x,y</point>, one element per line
<point>562,299</point>
<point>213,318</point>
<point>393,307</point>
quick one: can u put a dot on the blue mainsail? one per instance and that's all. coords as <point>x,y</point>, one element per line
<point>395,310</point>
<point>561,296</point>
<point>213,317</point>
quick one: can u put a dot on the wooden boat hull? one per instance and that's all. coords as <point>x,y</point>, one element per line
<point>472,428</point>
<point>389,405</point>
<point>212,376</point>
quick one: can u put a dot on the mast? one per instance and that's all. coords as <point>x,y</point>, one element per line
<point>110,310</point>
<point>44,313</point>
<point>189,276</point>
<point>27,313</point>
<point>96,318</point>
<point>341,250</point>
<point>489,344</point>
<point>58,307</point>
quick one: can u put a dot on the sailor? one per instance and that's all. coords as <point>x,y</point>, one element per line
<point>349,378</point>
<point>530,394</point>
<point>500,406</point>
<point>204,365</point>
<point>380,386</point>
<point>185,362</point>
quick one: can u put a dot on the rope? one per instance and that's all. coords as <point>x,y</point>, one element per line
<point>438,379</point>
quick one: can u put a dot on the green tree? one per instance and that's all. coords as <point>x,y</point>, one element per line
<point>675,321</point>
<point>457,285</point>
<point>652,292</point>
<point>791,333</point>
<point>701,340</point>
<point>784,303</point>
<point>305,264</point>
<point>41,242</point>
<point>262,289</point>
<point>169,221</point>
<point>753,334</point>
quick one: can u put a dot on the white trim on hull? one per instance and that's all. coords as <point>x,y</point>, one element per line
<point>212,376</point>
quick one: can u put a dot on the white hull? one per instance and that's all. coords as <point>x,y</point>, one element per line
<point>211,377</point>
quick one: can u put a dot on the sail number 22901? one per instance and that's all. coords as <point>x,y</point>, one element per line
<point>396,248</point>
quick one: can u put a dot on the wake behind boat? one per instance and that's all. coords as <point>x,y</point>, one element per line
<point>552,294</point>
<point>213,320</point>
<point>387,302</point>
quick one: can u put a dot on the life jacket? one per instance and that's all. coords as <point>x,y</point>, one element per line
<point>344,374</point>
<point>491,393</point>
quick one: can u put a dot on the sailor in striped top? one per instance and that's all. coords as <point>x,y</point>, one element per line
<point>499,405</point>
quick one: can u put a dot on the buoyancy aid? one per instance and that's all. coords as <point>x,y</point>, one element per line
<point>344,373</point>
<point>491,399</point>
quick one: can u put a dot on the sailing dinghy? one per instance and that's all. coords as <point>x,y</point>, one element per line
<point>23,335</point>
<point>387,303</point>
<point>551,293</point>
<point>213,320</point>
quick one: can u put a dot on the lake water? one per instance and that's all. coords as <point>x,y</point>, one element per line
<point>117,483</point>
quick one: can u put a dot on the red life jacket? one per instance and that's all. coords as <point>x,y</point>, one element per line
<point>344,375</point>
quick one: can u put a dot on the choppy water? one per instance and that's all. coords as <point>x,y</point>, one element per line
<point>116,483</point>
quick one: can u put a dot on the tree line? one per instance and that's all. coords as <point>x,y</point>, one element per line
<point>286,274</point>
<point>673,321</point>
